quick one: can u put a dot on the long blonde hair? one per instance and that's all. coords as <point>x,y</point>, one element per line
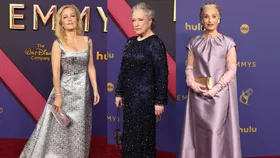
<point>59,30</point>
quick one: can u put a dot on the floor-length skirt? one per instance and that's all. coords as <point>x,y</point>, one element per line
<point>50,140</point>
<point>211,127</point>
<point>139,136</point>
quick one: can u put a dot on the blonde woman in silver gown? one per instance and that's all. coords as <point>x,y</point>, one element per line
<point>211,128</point>
<point>71,93</point>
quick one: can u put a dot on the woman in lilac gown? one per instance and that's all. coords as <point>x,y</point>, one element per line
<point>211,127</point>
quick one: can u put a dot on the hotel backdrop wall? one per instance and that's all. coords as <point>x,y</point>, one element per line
<point>120,28</point>
<point>254,28</point>
<point>25,67</point>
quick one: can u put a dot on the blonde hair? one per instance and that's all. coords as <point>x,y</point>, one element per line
<point>210,4</point>
<point>59,30</point>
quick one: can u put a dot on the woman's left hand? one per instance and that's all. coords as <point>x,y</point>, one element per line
<point>208,94</point>
<point>96,98</point>
<point>159,110</point>
<point>212,92</point>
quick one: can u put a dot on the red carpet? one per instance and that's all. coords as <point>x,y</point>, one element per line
<point>11,148</point>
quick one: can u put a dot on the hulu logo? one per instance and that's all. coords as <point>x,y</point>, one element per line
<point>100,56</point>
<point>197,27</point>
<point>249,129</point>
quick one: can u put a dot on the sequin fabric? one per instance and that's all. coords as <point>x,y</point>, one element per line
<point>49,139</point>
<point>142,83</point>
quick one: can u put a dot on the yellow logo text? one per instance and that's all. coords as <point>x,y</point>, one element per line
<point>252,64</point>
<point>113,118</point>
<point>249,129</point>
<point>244,28</point>
<point>181,97</point>
<point>110,87</point>
<point>244,97</point>
<point>40,53</point>
<point>197,27</point>
<point>50,16</point>
<point>101,56</point>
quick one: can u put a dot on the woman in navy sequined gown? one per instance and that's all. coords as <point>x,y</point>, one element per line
<point>142,85</point>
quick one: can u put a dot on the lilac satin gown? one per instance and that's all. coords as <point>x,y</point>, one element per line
<point>211,127</point>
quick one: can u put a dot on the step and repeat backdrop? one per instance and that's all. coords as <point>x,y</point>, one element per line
<point>253,27</point>
<point>26,37</point>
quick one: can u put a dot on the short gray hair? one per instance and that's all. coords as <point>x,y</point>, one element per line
<point>207,4</point>
<point>150,12</point>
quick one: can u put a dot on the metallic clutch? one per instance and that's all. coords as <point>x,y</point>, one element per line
<point>117,132</point>
<point>118,136</point>
<point>206,81</point>
<point>61,118</point>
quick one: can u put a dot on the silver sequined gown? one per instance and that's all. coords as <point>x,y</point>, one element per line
<point>49,139</point>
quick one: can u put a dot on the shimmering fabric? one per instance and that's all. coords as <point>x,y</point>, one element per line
<point>49,139</point>
<point>211,128</point>
<point>142,83</point>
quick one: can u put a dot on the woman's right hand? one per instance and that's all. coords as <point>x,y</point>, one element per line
<point>118,102</point>
<point>198,88</point>
<point>57,104</point>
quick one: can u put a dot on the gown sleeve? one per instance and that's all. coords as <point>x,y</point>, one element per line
<point>120,82</point>
<point>161,72</point>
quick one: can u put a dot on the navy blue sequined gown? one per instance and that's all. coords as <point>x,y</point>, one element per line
<point>142,83</point>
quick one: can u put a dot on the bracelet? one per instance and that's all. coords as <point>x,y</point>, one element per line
<point>57,94</point>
